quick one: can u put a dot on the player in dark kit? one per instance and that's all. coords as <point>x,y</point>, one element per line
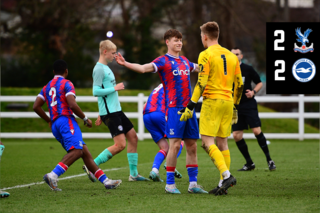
<point>59,94</point>
<point>248,115</point>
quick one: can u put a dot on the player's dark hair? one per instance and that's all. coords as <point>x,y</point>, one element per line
<point>172,33</point>
<point>211,29</point>
<point>59,66</point>
<point>237,48</point>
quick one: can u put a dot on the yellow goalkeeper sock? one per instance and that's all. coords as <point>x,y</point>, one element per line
<point>227,159</point>
<point>217,158</point>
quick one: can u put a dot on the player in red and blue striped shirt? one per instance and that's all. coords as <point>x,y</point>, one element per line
<point>59,94</point>
<point>154,121</point>
<point>174,71</point>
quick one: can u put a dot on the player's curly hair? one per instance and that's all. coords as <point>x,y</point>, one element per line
<point>211,29</point>
<point>59,66</point>
<point>172,33</point>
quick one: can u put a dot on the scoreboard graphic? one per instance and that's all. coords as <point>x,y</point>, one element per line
<point>293,58</point>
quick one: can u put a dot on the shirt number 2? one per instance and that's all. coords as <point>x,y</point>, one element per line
<point>53,93</point>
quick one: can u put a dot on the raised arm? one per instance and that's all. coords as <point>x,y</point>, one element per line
<point>132,66</point>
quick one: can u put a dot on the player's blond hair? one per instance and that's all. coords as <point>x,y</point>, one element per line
<point>211,29</point>
<point>106,45</point>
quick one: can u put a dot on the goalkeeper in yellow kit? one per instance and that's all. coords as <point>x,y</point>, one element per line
<point>219,70</point>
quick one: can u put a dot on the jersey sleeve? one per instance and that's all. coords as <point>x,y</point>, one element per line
<point>41,94</point>
<point>69,89</point>
<point>255,76</point>
<point>203,76</point>
<point>192,66</point>
<point>98,91</point>
<point>237,70</point>
<point>158,63</point>
<point>98,76</point>
<point>203,62</point>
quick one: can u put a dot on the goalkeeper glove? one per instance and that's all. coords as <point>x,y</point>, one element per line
<point>187,113</point>
<point>235,115</point>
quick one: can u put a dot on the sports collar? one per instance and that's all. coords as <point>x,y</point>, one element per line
<point>172,56</point>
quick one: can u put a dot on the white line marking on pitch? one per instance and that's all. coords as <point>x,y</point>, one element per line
<point>68,177</point>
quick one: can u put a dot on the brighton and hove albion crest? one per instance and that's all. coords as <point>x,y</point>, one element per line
<point>304,70</point>
<point>303,39</point>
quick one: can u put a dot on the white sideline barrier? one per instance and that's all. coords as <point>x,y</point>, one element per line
<point>141,99</point>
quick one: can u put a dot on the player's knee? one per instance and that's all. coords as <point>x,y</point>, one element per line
<point>164,148</point>
<point>133,139</point>
<point>256,131</point>
<point>237,136</point>
<point>175,147</point>
<point>192,147</point>
<point>121,146</point>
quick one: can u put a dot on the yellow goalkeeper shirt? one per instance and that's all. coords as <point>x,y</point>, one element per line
<point>221,66</point>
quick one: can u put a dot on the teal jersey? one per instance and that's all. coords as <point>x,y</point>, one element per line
<point>103,88</point>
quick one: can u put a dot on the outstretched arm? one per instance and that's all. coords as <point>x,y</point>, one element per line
<point>196,69</point>
<point>132,66</point>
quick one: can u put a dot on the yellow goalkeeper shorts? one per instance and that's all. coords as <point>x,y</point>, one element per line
<point>216,117</point>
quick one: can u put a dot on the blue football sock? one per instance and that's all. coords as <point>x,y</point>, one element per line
<point>192,172</point>
<point>99,174</point>
<point>133,163</point>
<point>103,157</point>
<point>170,175</point>
<point>60,169</point>
<point>159,158</point>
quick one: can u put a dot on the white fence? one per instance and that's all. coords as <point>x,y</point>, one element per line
<point>141,99</point>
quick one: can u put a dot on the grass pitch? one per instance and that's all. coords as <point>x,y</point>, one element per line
<point>293,187</point>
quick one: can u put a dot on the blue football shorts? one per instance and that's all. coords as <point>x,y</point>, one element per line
<point>156,124</point>
<point>67,131</point>
<point>181,129</point>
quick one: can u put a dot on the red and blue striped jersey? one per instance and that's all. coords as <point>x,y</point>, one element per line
<point>156,101</point>
<point>55,93</point>
<point>174,74</point>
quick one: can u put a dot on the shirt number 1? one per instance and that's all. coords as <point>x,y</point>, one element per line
<point>224,64</point>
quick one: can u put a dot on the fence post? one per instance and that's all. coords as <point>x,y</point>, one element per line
<point>301,117</point>
<point>140,117</point>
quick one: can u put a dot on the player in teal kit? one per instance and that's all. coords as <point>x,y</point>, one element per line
<point>3,193</point>
<point>121,128</point>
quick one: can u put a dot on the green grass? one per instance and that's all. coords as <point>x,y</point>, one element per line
<point>37,125</point>
<point>293,187</point>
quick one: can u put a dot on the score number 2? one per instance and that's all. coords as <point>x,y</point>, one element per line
<point>279,62</point>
